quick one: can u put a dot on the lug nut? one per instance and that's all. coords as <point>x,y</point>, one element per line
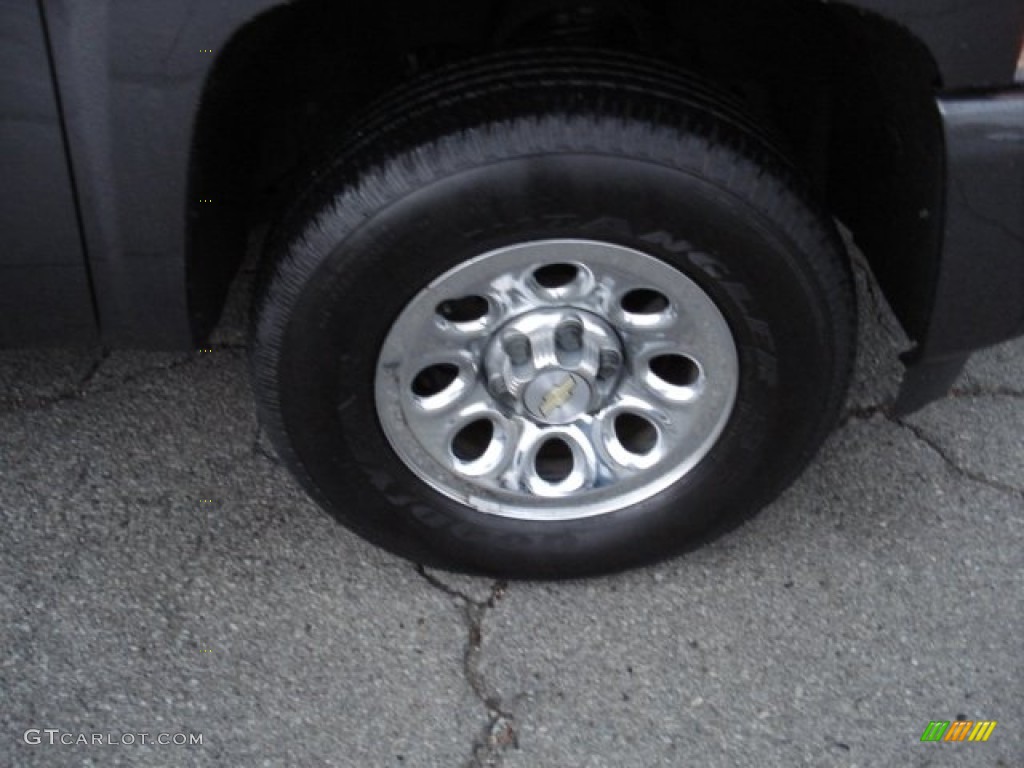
<point>499,388</point>
<point>517,347</point>
<point>497,384</point>
<point>608,363</point>
<point>569,336</point>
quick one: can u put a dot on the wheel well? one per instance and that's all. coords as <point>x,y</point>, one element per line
<point>849,93</point>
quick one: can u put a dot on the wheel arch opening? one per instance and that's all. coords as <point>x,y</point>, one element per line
<point>849,92</point>
<point>281,87</point>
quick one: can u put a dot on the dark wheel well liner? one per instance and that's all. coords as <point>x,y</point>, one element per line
<point>849,93</point>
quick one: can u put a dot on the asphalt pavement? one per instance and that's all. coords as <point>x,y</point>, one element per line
<point>162,574</point>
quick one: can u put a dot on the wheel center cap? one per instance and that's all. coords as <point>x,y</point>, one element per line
<point>557,397</point>
<point>553,365</point>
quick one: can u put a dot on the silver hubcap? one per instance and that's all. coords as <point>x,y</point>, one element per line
<point>556,379</point>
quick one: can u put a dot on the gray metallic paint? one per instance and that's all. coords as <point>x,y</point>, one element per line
<point>974,42</point>
<point>44,286</point>
<point>980,291</point>
<point>131,75</point>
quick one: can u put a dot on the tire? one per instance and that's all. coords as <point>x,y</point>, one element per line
<point>611,172</point>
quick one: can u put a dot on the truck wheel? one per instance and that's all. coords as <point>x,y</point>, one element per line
<point>551,315</point>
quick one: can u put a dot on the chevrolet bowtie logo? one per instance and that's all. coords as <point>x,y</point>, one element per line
<point>557,397</point>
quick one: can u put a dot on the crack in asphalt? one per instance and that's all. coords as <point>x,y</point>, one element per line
<point>975,390</point>
<point>499,732</point>
<point>962,392</point>
<point>75,392</point>
<point>78,391</point>
<point>865,413</point>
<point>953,464</point>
